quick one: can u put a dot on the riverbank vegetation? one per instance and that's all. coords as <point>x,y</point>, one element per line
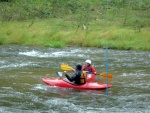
<point>120,24</point>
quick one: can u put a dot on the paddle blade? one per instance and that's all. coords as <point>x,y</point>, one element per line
<point>66,67</point>
<point>60,74</point>
<point>105,75</point>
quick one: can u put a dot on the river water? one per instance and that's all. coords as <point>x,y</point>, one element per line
<point>22,90</point>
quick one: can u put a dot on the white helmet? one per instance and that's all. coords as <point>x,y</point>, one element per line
<point>88,61</point>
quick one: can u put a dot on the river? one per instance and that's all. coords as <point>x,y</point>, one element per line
<point>23,67</point>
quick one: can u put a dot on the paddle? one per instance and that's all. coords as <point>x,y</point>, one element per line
<point>66,67</point>
<point>105,75</point>
<point>60,74</point>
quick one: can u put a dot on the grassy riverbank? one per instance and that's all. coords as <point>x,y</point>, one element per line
<point>60,33</point>
<point>59,24</point>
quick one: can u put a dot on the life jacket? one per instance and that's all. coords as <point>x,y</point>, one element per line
<point>83,77</point>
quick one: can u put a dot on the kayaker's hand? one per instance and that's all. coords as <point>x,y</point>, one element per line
<point>65,72</point>
<point>73,70</point>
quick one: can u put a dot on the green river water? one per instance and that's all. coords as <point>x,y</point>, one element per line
<point>22,90</point>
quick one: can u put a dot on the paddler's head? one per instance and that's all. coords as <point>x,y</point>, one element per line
<point>78,66</point>
<point>88,62</point>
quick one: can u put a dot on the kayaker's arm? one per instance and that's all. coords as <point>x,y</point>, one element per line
<point>71,79</point>
<point>68,77</point>
<point>73,70</point>
<point>94,70</point>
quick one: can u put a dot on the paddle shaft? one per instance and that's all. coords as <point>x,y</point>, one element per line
<point>66,67</point>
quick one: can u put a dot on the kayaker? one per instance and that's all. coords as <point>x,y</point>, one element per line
<point>90,69</point>
<point>79,76</point>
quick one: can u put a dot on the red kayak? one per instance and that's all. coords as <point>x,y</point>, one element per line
<point>90,77</point>
<point>66,84</point>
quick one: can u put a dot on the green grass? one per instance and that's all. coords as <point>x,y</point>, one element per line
<point>120,24</point>
<point>61,33</point>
